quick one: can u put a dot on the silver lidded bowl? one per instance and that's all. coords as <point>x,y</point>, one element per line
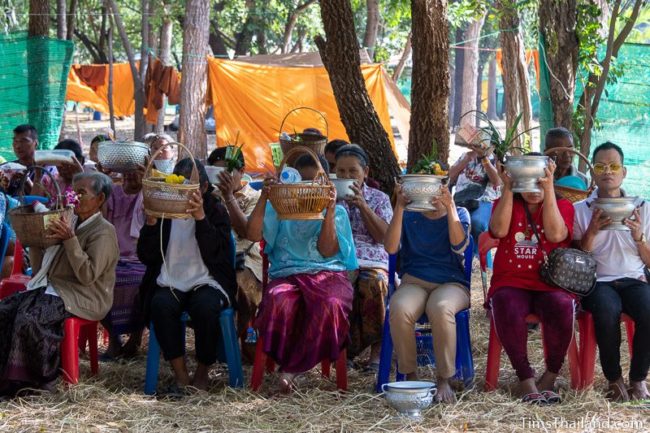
<point>421,189</point>
<point>525,170</point>
<point>617,209</point>
<point>409,398</point>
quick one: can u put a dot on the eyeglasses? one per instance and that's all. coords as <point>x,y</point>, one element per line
<point>600,168</point>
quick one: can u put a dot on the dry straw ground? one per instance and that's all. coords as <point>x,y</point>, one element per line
<point>114,402</point>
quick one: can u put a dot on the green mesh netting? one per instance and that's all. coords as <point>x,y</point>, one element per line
<point>33,78</point>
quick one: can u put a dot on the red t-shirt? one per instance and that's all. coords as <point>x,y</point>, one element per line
<point>519,257</point>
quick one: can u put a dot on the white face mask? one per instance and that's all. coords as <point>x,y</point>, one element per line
<point>164,165</point>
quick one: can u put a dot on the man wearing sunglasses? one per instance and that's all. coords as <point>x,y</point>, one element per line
<point>622,286</point>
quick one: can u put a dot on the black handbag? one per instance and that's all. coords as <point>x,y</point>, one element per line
<point>469,197</point>
<point>568,268</point>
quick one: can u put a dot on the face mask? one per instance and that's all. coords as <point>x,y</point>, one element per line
<point>164,165</point>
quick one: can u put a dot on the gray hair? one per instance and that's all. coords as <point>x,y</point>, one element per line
<point>152,137</point>
<point>99,182</point>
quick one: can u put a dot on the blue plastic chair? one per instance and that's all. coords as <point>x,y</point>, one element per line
<point>4,242</point>
<point>257,184</point>
<point>464,358</point>
<point>228,348</point>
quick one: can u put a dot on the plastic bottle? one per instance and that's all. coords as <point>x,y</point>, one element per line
<point>290,175</point>
<point>285,136</point>
<point>251,335</point>
<point>39,207</point>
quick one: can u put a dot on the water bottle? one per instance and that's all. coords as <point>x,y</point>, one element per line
<point>285,136</point>
<point>251,336</point>
<point>290,175</point>
<point>39,207</point>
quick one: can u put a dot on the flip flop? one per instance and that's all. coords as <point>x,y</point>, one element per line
<point>551,396</point>
<point>534,398</point>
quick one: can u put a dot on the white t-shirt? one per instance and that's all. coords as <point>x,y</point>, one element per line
<point>615,251</point>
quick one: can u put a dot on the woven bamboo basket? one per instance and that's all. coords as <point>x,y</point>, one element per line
<point>301,201</point>
<point>168,200</point>
<point>573,194</point>
<point>32,227</point>
<point>314,142</point>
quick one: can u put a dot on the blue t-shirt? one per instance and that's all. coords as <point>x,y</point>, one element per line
<point>292,245</point>
<point>426,252</point>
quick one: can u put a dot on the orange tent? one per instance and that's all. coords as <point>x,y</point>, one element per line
<point>252,99</point>
<point>123,101</point>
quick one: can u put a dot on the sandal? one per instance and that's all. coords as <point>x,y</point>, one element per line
<point>534,398</point>
<point>551,396</point>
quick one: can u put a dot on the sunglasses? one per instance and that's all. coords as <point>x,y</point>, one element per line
<point>600,168</point>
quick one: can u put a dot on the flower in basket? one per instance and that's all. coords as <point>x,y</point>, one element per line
<point>71,198</point>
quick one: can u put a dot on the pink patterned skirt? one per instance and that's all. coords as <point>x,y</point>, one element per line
<point>303,319</point>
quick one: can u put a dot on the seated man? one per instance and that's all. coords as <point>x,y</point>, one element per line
<point>622,286</point>
<point>25,143</point>
<point>562,137</point>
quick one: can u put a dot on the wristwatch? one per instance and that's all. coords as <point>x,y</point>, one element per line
<point>641,240</point>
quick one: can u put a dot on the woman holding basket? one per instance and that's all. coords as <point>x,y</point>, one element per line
<point>303,317</point>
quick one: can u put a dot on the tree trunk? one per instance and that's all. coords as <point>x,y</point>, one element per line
<point>260,40</point>
<point>402,61</point>
<point>145,6</point>
<point>101,44</point>
<point>61,19</point>
<point>479,90</point>
<point>165,59</point>
<point>138,86</point>
<point>430,81</point>
<point>469,88</point>
<point>515,73</point>
<point>340,55</point>
<point>37,70</point>
<point>39,18</point>
<point>111,107</point>
<point>72,16</point>
<point>292,19</point>
<point>457,80</point>
<point>372,26</point>
<point>492,89</point>
<point>244,38</point>
<point>191,130</point>
<point>557,22</point>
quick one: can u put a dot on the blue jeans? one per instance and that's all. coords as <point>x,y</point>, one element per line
<point>480,220</point>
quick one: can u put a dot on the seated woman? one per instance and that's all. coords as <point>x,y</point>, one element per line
<point>75,277</point>
<point>195,275</point>
<point>66,172</point>
<point>517,290</point>
<point>307,167</point>
<point>303,317</point>
<point>431,247</point>
<point>124,209</point>
<point>164,162</point>
<point>370,213</point>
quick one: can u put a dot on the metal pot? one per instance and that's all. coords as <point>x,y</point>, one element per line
<point>617,209</point>
<point>409,397</point>
<point>525,170</point>
<point>343,189</point>
<point>122,156</point>
<point>421,189</point>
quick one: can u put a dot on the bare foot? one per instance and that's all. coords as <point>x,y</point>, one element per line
<point>201,379</point>
<point>286,382</point>
<point>445,394</point>
<point>412,376</point>
<point>528,386</point>
<point>639,391</point>
<point>547,381</point>
<point>617,391</point>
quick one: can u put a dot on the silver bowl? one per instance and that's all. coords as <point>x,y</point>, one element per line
<point>409,398</point>
<point>343,189</point>
<point>421,189</point>
<point>617,209</point>
<point>525,170</point>
<point>122,156</point>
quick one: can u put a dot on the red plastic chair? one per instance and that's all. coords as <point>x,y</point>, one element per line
<point>588,345</point>
<point>486,243</point>
<point>17,281</point>
<point>75,330</point>
<point>263,362</point>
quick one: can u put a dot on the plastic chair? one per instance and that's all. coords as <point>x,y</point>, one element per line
<point>486,243</point>
<point>464,357</point>
<point>228,347</point>
<point>4,243</point>
<point>77,330</point>
<point>17,281</point>
<point>588,345</point>
<point>29,199</point>
<point>264,363</point>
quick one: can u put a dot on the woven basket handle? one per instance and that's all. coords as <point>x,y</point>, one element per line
<point>549,152</point>
<point>321,176</point>
<point>306,108</point>
<point>21,189</point>
<point>194,177</point>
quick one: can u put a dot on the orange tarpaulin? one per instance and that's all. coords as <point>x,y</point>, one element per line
<point>252,99</point>
<point>123,101</point>
<point>530,55</point>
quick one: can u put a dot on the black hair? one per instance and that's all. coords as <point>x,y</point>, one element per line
<point>307,160</point>
<point>534,154</point>
<point>219,154</point>
<point>312,131</point>
<point>72,145</point>
<point>608,145</point>
<point>558,133</point>
<point>334,145</point>
<point>21,129</point>
<point>184,167</point>
<point>353,150</point>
